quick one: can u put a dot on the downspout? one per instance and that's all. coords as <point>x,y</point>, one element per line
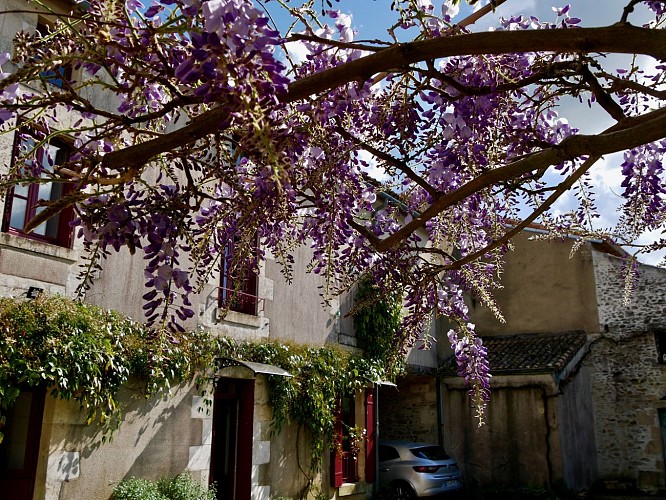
<point>440,411</point>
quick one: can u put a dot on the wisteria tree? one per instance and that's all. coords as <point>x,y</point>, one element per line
<point>218,134</point>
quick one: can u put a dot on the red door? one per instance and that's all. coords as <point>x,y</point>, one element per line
<point>19,449</point>
<point>231,453</point>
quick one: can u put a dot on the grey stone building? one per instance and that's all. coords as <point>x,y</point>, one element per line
<point>579,387</point>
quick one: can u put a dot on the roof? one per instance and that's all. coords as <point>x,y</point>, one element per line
<point>528,353</point>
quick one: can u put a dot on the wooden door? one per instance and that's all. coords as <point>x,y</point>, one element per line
<point>231,452</point>
<point>19,449</point>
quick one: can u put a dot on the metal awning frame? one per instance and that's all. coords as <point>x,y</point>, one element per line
<point>256,368</point>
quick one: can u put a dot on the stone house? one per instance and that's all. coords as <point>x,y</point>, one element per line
<point>579,387</point>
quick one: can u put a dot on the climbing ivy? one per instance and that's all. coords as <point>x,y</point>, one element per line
<point>84,353</point>
<point>377,315</point>
<point>321,377</point>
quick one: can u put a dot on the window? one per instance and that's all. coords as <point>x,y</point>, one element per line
<point>22,202</point>
<point>387,453</point>
<point>60,74</point>
<point>238,283</point>
<point>660,341</point>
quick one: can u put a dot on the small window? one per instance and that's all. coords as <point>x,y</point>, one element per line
<point>660,341</point>
<point>23,201</point>
<point>387,453</point>
<point>238,286</point>
<point>430,453</point>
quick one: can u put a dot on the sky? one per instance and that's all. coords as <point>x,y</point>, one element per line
<point>370,19</point>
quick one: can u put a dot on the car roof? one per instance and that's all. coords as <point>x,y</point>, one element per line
<point>405,443</point>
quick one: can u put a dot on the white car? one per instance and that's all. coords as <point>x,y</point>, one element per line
<point>410,470</point>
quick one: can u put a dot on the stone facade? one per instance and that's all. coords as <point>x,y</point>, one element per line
<point>629,385</point>
<point>409,411</point>
<point>604,414</point>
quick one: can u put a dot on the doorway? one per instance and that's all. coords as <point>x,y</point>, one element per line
<point>19,449</point>
<point>231,452</point>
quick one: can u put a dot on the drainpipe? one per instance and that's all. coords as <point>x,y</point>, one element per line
<point>440,411</point>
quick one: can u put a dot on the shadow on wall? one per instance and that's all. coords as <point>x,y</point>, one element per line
<point>153,441</point>
<point>289,468</point>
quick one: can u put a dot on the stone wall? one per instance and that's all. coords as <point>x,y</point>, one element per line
<point>155,439</point>
<point>629,386</point>
<point>410,410</point>
<point>158,437</point>
<point>519,444</point>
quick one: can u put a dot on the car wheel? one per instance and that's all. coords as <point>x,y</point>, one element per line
<point>402,491</point>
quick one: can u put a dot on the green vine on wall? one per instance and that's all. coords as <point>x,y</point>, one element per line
<point>377,316</point>
<point>321,377</point>
<point>83,353</point>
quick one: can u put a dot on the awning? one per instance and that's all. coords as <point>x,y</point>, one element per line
<point>255,367</point>
<point>382,382</point>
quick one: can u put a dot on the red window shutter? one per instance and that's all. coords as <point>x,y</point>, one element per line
<point>336,456</point>
<point>371,436</point>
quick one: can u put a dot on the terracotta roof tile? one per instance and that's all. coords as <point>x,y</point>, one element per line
<point>531,352</point>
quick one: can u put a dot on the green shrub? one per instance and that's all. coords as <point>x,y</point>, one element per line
<point>181,487</point>
<point>137,489</point>
<point>85,353</point>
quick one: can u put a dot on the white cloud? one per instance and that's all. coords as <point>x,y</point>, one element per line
<point>373,170</point>
<point>297,51</point>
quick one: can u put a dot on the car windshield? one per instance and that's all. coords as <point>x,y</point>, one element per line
<point>430,452</point>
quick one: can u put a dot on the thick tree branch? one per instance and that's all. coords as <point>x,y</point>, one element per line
<point>621,39</point>
<point>605,100</point>
<point>630,133</point>
<point>618,38</point>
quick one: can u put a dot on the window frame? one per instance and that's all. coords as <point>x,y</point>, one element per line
<point>239,283</point>
<point>344,464</point>
<point>63,231</point>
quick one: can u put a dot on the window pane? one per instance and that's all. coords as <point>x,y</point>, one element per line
<point>17,220</point>
<point>44,192</point>
<point>49,155</point>
<point>52,227</point>
<point>48,228</point>
<point>430,452</point>
<point>21,191</point>
<point>26,198</point>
